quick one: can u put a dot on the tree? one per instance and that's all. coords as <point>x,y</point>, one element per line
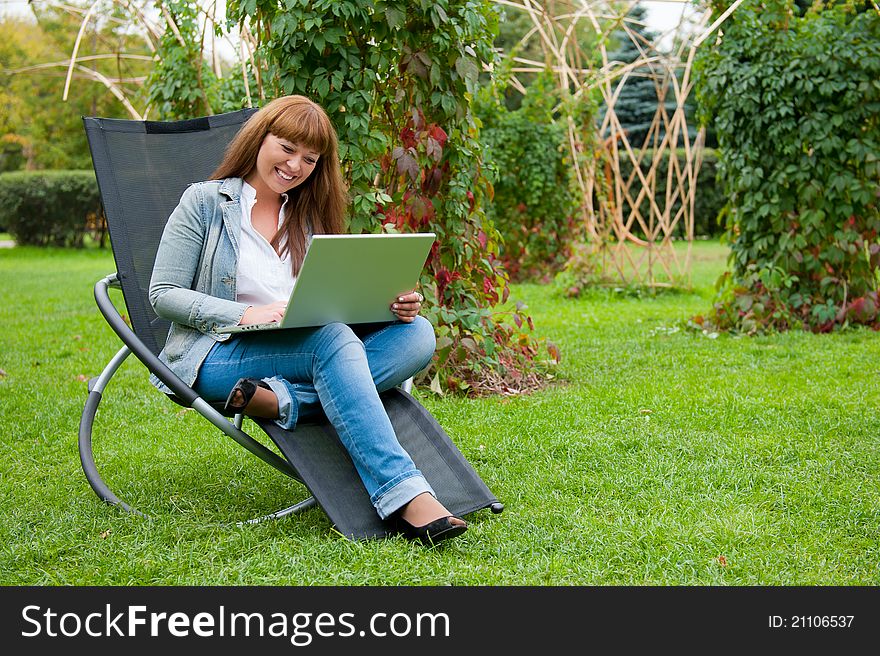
<point>41,130</point>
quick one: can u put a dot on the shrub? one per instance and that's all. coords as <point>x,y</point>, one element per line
<point>795,101</point>
<point>51,208</point>
<point>534,204</point>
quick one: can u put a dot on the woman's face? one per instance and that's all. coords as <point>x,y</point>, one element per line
<point>281,165</point>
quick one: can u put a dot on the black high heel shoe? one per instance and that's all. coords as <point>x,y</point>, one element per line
<point>432,533</point>
<point>247,387</point>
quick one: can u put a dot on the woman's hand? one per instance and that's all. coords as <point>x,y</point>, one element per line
<point>263,313</point>
<point>407,306</point>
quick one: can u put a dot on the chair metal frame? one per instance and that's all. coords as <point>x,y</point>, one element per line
<point>183,394</point>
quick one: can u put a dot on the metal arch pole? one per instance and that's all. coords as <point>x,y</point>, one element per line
<point>96,389</point>
<point>182,391</point>
<point>98,384</point>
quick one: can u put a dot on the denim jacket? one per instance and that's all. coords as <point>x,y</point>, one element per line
<point>193,282</point>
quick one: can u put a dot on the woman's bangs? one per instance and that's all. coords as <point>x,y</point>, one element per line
<point>304,126</point>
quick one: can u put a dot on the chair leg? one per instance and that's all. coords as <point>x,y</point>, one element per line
<point>96,389</point>
<point>87,459</point>
<point>295,509</point>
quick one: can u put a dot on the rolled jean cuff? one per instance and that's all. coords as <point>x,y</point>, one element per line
<point>395,494</point>
<point>288,409</point>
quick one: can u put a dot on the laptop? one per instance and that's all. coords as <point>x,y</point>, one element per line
<point>351,279</point>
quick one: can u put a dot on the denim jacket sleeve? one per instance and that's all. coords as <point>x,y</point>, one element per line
<point>182,288</point>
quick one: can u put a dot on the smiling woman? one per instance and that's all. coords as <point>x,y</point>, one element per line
<point>282,164</point>
<point>292,137</point>
<point>230,252</point>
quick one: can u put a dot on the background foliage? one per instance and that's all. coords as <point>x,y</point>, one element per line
<point>794,93</point>
<point>534,203</point>
<point>51,208</point>
<point>39,130</point>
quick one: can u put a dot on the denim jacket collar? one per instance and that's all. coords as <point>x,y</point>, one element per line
<point>231,188</point>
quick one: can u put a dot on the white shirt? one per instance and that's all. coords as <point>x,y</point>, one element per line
<point>262,277</point>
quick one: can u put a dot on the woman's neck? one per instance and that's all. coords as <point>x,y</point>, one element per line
<point>265,195</point>
<point>264,212</point>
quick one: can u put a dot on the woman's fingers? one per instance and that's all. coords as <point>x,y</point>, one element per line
<point>278,309</point>
<point>407,306</point>
<point>264,313</point>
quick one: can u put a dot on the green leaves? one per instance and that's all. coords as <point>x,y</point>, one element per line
<point>396,77</point>
<point>795,105</point>
<point>535,203</point>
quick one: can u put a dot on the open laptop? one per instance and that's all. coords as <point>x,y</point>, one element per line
<point>351,279</point>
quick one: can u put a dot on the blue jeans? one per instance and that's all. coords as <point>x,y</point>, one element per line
<point>340,369</point>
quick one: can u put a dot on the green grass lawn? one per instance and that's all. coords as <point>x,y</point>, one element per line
<point>661,457</point>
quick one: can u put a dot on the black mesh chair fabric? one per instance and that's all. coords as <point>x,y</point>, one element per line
<point>327,470</point>
<point>142,168</point>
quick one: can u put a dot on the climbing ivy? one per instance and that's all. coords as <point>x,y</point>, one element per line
<point>398,79</point>
<point>793,91</point>
<point>182,84</point>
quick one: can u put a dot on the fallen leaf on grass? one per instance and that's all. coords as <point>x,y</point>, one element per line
<point>722,561</point>
<point>645,411</point>
<point>2,373</point>
<point>105,534</point>
<point>82,378</point>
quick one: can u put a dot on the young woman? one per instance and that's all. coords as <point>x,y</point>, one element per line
<point>229,255</point>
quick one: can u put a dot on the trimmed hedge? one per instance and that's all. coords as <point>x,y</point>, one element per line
<point>51,208</point>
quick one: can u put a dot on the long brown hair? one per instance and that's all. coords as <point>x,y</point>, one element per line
<point>320,202</point>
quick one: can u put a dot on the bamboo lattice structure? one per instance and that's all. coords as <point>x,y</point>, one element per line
<point>629,231</point>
